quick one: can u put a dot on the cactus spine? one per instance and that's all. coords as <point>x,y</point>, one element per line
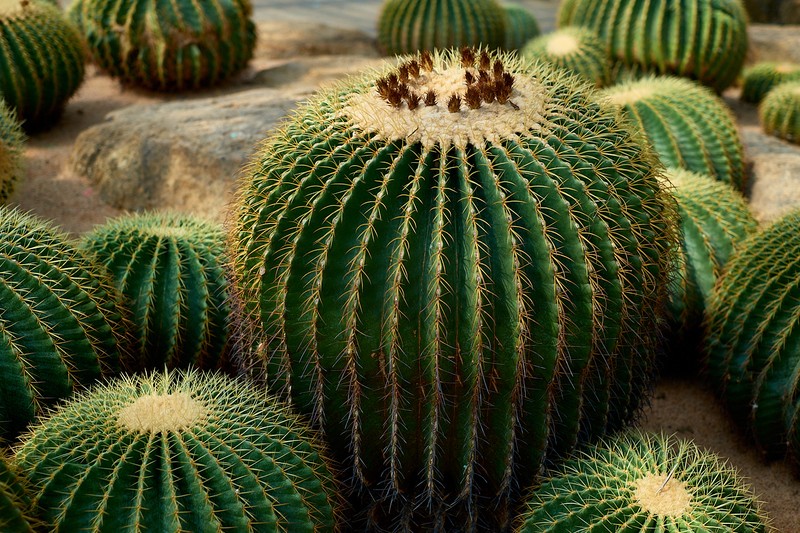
<point>168,46</point>
<point>180,451</point>
<point>761,78</point>
<point>689,126</point>
<point>15,505</point>
<point>422,247</point>
<point>521,27</point>
<point>705,40</point>
<point>11,141</point>
<point>639,482</point>
<point>780,112</point>
<point>575,49</point>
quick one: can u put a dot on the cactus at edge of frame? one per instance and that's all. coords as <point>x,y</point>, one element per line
<point>16,513</point>
<point>761,78</point>
<point>779,112</point>
<point>12,140</point>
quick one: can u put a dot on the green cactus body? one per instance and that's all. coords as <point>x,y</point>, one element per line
<point>180,451</point>
<point>41,60</point>
<point>575,49</point>
<point>689,126</point>
<point>11,144</point>
<point>761,78</point>
<point>643,483</point>
<point>454,288</point>
<point>521,27</point>
<point>168,46</point>
<point>15,505</point>
<point>406,26</point>
<point>59,325</point>
<point>169,269</point>
<point>705,40</point>
<point>780,112</point>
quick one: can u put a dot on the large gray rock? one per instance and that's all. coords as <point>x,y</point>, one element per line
<point>775,177</point>
<point>770,42</point>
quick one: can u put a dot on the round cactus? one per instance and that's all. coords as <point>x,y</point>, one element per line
<point>761,78</point>
<point>575,49</point>
<point>167,46</point>
<point>180,451</point>
<point>15,505</point>
<point>780,112</point>
<point>521,27</point>
<point>704,40</point>
<point>169,269</point>
<point>689,126</point>
<point>41,60</point>
<point>406,26</point>
<point>59,325</point>
<point>458,265</point>
<point>643,483</point>
<point>11,141</point>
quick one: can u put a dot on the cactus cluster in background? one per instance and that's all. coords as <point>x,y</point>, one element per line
<point>169,269</point>
<point>11,144</point>
<point>759,79</point>
<point>644,483</point>
<point>689,126</point>
<point>167,46</point>
<point>15,505</point>
<point>780,112</point>
<point>704,40</point>
<point>41,60</point>
<point>521,26</point>
<point>180,451</point>
<point>459,266</point>
<point>575,49</point>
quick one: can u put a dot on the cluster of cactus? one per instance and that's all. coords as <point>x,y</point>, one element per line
<point>646,483</point>
<point>688,125</point>
<point>15,506</point>
<point>169,269</point>
<point>454,292</point>
<point>759,79</point>
<point>520,27</point>
<point>60,328</point>
<point>41,60</point>
<point>177,451</point>
<point>11,142</point>
<point>780,111</point>
<point>704,40</point>
<point>167,46</point>
<point>575,49</point>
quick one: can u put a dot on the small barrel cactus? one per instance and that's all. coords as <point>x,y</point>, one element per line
<point>406,26</point>
<point>177,451</point>
<point>41,60</point>
<point>759,79</point>
<point>521,27</point>
<point>167,46</point>
<point>705,40</point>
<point>169,269</point>
<point>689,126</point>
<point>575,49</point>
<point>780,112</point>
<point>643,483</point>
<point>11,141</point>
<point>59,323</point>
<point>15,505</point>
<point>458,264</point>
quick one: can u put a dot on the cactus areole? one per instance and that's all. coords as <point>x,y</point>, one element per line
<point>457,265</point>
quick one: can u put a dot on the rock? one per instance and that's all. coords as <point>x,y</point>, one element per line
<point>281,39</point>
<point>308,74</point>
<point>775,176</point>
<point>769,42</point>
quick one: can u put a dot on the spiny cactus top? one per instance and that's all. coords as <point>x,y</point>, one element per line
<point>180,451</point>
<point>521,27</point>
<point>59,325</point>
<point>689,126</point>
<point>41,60</point>
<point>169,268</point>
<point>701,39</point>
<point>168,45</point>
<point>11,141</point>
<point>423,244</point>
<point>761,78</point>
<point>15,505</point>
<point>575,49</point>
<point>643,483</point>
<point>780,111</point>
<point>406,26</point>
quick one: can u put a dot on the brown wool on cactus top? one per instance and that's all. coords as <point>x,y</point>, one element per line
<point>155,413</point>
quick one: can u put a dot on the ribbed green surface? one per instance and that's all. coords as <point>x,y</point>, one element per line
<point>753,343</point>
<point>704,40</point>
<point>597,491</point>
<point>167,45</point>
<point>455,315</point>
<point>406,26</point>
<point>759,79</point>
<point>779,112</point>
<point>59,324</point>
<point>689,126</point>
<point>15,512</point>
<point>521,27</point>
<point>588,59</point>
<point>11,151</point>
<point>246,464</point>
<point>169,269</point>
<point>41,62</point>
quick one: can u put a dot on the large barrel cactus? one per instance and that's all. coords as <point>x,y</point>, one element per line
<point>704,40</point>
<point>176,452</point>
<point>575,49</point>
<point>406,26</point>
<point>41,60</point>
<point>521,27</point>
<point>15,505</point>
<point>59,324</point>
<point>779,112</point>
<point>644,483</point>
<point>167,46</point>
<point>689,126</point>
<point>458,264</point>
<point>11,141</point>
<point>759,79</point>
<point>169,269</point>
